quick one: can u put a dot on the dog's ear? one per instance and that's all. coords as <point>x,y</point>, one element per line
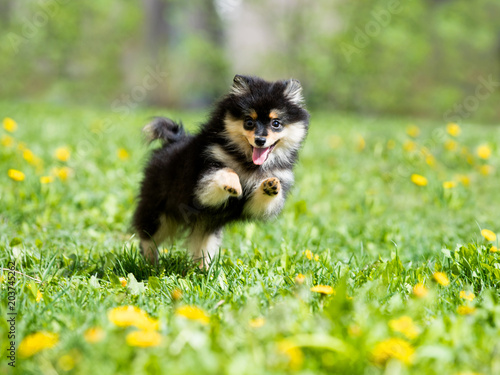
<point>293,92</point>
<point>241,85</point>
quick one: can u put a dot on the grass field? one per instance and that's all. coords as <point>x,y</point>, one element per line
<point>414,276</point>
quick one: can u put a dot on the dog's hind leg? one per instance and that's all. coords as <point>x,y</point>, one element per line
<point>215,188</point>
<point>204,245</point>
<point>165,229</point>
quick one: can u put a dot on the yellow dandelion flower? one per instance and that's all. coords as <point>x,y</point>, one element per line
<point>46,179</point>
<point>123,281</point>
<point>323,289</point>
<point>469,296</point>
<point>450,145</point>
<point>143,339</point>
<point>453,129</point>
<point>489,235</point>
<point>449,184</point>
<point>16,175</point>
<point>405,326</point>
<point>6,140</point>
<point>361,143</point>
<point>486,170</point>
<point>28,155</point>
<point>418,180</point>
<point>409,146</point>
<point>31,158</point>
<point>122,154</point>
<point>39,296</point>
<point>193,313</point>
<point>470,159</point>
<point>9,125</point>
<point>391,144</point>
<point>466,310</point>
<point>293,353</point>
<point>493,249</point>
<point>316,258</point>
<point>393,348</point>
<point>66,362</point>
<point>413,131</point>
<point>62,154</point>
<point>441,278</point>
<point>430,160</point>
<point>257,322</point>
<point>464,180</point>
<point>484,151</point>
<point>126,316</point>
<point>176,294</point>
<point>2,278</point>
<point>37,342</point>
<point>94,334</point>
<point>299,279</point>
<point>309,254</point>
<point>62,173</point>
<point>420,291</point>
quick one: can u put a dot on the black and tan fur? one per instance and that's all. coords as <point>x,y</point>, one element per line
<point>195,184</point>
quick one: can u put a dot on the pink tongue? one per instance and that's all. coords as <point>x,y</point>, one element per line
<point>259,155</point>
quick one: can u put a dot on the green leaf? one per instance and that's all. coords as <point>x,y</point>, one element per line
<point>134,286</point>
<point>115,280</point>
<point>154,283</point>
<point>15,241</point>
<point>94,282</point>
<point>33,287</point>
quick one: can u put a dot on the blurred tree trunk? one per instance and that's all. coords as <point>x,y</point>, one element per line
<point>206,27</point>
<point>170,27</point>
<point>206,19</point>
<point>5,9</point>
<point>156,36</point>
<point>156,25</point>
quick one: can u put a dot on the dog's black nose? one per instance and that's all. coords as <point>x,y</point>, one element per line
<point>260,141</point>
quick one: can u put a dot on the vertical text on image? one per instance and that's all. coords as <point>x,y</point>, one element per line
<point>11,314</point>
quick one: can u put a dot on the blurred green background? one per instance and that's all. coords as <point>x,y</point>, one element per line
<point>427,58</point>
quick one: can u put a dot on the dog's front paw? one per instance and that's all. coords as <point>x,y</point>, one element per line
<point>271,186</point>
<point>234,191</point>
<point>230,182</point>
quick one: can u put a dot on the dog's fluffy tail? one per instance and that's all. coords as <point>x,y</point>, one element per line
<point>164,129</point>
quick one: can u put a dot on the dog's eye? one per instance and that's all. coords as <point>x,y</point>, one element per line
<point>275,124</point>
<point>249,124</point>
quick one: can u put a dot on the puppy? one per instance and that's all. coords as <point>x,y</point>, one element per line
<point>237,167</point>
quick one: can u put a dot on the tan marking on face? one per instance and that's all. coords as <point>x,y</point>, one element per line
<point>253,114</point>
<point>250,135</point>
<point>273,114</point>
<point>238,136</point>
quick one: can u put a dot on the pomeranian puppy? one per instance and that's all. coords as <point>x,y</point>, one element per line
<point>237,167</point>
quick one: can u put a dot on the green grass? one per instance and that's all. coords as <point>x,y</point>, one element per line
<point>375,233</point>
